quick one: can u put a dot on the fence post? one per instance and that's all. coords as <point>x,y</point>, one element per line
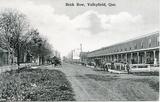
<point>149,67</point>
<point>125,67</point>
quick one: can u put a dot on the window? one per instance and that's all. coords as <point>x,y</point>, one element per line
<point>130,48</point>
<point>135,47</point>
<point>117,50</point>
<point>149,42</point>
<point>158,40</point>
<point>142,44</point>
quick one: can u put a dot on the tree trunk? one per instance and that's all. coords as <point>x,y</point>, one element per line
<point>39,60</point>
<point>9,58</point>
<point>18,55</point>
<point>43,60</point>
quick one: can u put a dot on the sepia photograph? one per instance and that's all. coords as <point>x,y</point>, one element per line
<point>79,50</point>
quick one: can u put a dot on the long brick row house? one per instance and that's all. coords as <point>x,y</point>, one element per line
<point>142,50</point>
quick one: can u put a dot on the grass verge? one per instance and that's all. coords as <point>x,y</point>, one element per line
<point>35,85</point>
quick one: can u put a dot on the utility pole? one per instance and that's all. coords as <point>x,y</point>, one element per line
<point>81,47</point>
<point>80,53</point>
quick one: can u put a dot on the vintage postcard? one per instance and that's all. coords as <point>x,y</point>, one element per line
<point>79,50</point>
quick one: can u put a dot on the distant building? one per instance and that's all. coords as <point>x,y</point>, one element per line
<point>76,53</point>
<point>136,51</point>
<point>83,57</point>
<point>73,56</point>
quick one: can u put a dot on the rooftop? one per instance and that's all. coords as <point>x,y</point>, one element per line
<point>142,36</point>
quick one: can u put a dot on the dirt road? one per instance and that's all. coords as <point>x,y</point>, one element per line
<point>90,85</point>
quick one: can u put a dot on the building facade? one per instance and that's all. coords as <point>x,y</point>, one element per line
<point>142,50</point>
<point>3,57</point>
<point>83,57</point>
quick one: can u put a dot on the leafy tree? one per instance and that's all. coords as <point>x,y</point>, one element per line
<point>39,47</point>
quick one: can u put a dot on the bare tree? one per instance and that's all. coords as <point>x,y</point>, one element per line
<point>13,28</point>
<point>17,37</point>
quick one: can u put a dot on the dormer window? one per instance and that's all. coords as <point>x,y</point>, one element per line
<point>135,46</point>
<point>149,42</point>
<point>130,48</point>
<point>142,44</point>
<point>158,40</point>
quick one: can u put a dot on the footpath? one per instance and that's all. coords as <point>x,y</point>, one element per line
<point>8,68</point>
<point>15,66</point>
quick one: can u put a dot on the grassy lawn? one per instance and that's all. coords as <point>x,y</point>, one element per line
<point>35,85</point>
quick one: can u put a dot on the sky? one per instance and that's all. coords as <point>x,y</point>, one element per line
<point>66,27</point>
